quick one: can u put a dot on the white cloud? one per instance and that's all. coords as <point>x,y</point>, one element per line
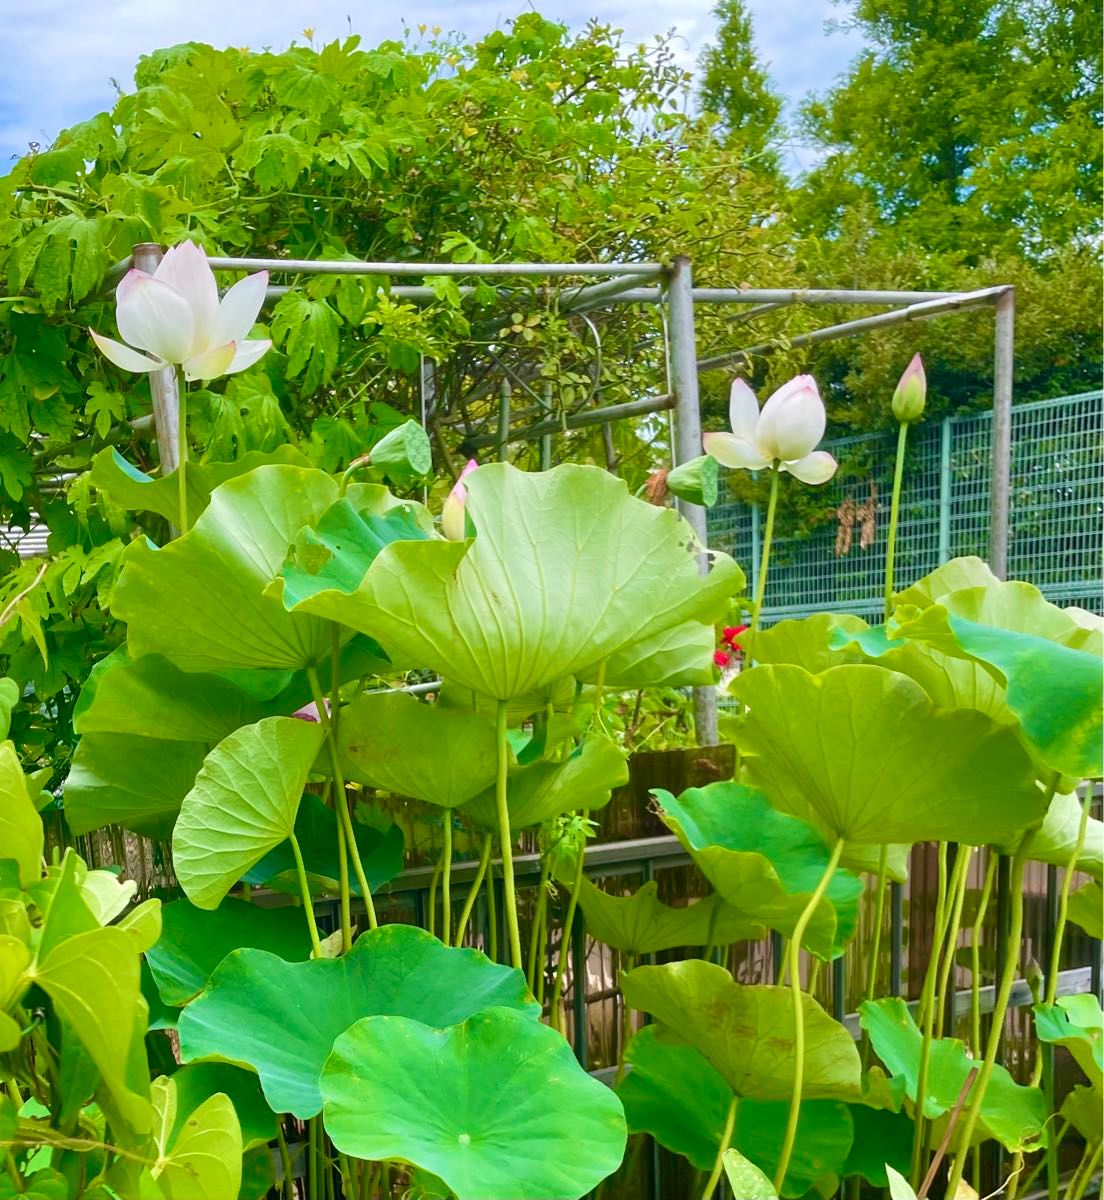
<point>60,56</point>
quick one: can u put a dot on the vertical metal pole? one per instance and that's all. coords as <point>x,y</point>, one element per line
<point>166,399</point>
<point>1004,360</point>
<point>546,439</point>
<point>688,442</point>
<point>579,987</point>
<point>839,987</point>
<point>504,421</point>
<point>945,490</point>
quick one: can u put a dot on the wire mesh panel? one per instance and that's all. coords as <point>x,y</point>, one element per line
<point>1056,510</point>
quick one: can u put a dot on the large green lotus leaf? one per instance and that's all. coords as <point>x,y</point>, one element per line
<point>381,854</point>
<point>1056,839</point>
<point>560,696</point>
<point>1084,1109</point>
<point>497,1106</point>
<point>194,941</point>
<point>45,1184</point>
<point>643,924</point>
<point>745,1178</point>
<point>200,601</point>
<point>280,1019</point>
<point>198,1082</point>
<point>336,552</point>
<point>1086,908</point>
<point>131,489</point>
<point>672,1093</point>
<point>1049,663</point>
<point>1077,1023</point>
<point>199,1157</point>
<point>1013,1114</point>
<point>863,754</point>
<point>543,790</point>
<point>868,858</point>
<point>678,657</point>
<point>881,1137</point>
<point>746,1032</point>
<point>953,576</point>
<point>243,804</point>
<point>815,643</point>
<point>136,782</point>
<point>93,981</point>
<point>21,836</point>
<point>567,569</point>
<point>765,864</point>
<point>395,742</point>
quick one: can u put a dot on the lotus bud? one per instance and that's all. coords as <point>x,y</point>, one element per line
<point>454,511</point>
<point>911,393</point>
<point>695,481</point>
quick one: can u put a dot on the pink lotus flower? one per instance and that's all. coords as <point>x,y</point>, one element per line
<point>454,510</point>
<point>911,392</point>
<point>175,316</point>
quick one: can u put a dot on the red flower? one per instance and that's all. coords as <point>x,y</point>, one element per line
<point>732,632</point>
<point>721,658</point>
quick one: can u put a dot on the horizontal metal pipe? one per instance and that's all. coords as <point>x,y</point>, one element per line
<point>402,291</point>
<point>589,416</point>
<point>597,294</point>
<point>899,316</point>
<point>297,266</point>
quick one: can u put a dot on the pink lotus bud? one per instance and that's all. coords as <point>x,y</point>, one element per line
<point>911,393</point>
<point>453,523</point>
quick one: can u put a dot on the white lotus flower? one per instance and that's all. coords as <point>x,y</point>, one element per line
<point>176,317</point>
<point>782,436</point>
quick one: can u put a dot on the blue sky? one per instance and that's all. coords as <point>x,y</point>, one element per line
<point>60,56</point>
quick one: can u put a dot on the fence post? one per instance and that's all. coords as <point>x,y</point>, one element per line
<point>945,490</point>
<point>688,442</point>
<point>166,399</point>
<point>1004,359</point>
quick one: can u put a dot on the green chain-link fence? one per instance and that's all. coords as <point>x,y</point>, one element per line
<point>1055,519</point>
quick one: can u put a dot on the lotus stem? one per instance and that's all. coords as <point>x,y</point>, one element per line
<point>473,894</point>
<point>340,801</point>
<point>446,880</point>
<point>182,453</point>
<point>764,559</point>
<point>975,953</point>
<point>431,905</point>
<point>1058,1138</point>
<point>799,1011</point>
<point>538,922</point>
<point>342,848</point>
<point>1000,1009</point>
<point>285,1161</point>
<point>894,513</point>
<point>718,1164</point>
<point>950,942</point>
<point>504,839</point>
<point>492,915</point>
<point>626,1024</point>
<point>308,903</point>
<point>568,925</point>
<point>879,921</point>
<point>1084,1173</point>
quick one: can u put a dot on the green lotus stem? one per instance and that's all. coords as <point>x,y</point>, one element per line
<point>568,925</point>
<point>1059,1137</point>
<point>718,1163</point>
<point>950,944</point>
<point>342,848</point>
<point>446,880</point>
<point>492,915</point>
<point>340,802</point>
<point>431,905</point>
<point>304,887</point>
<point>975,953</point>
<point>1082,1177</point>
<point>504,840</point>
<point>312,1169</point>
<point>540,972</point>
<point>538,921</point>
<point>182,454</point>
<point>626,1024</point>
<point>385,1179</point>
<point>285,1160</point>
<point>1000,1009</point>
<point>764,560</point>
<point>894,512</point>
<point>473,894</point>
<point>879,921</point>
<point>711,930</point>
<point>794,957</point>
<point>814,975</point>
<point>926,1012</point>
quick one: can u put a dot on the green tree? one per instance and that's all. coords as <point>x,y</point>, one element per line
<point>735,86</point>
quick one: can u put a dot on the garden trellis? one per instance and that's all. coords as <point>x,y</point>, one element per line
<point>671,288</point>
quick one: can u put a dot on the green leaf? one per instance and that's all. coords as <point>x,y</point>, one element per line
<point>815,643</point>
<point>543,790</point>
<point>746,1032</point>
<point>10,695</point>
<point>243,804</point>
<point>46,1184</point>
<point>882,1138</point>
<point>1049,663</point>
<point>199,1159</point>
<point>1056,839</point>
<point>198,1082</point>
<point>1077,1023</point>
<point>194,941</point>
<point>21,836</point>
<point>763,863</point>
<point>104,408</point>
<point>1086,908</point>
<point>953,576</point>
<point>383,737</point>
<point>131,489</point>
<point>381,854</point>
<point>200,601</point>
<point>281,1019</point>
<point>643,924</point>
<point>93,981</point>
<point>841,749</point>
<point>899,1186</point>
<point>494,1106</point>
<point>745,1179</point>
<point>136,782</point>
<point>566,570</point>
<point>1013,1114</point>
<point>306,329</point>
<point>1084,1110</point>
